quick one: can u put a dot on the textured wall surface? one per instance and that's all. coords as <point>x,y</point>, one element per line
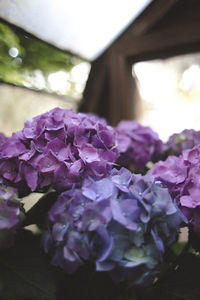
<point>19,104</point>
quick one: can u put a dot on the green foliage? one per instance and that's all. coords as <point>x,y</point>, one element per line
<point>39,55</point>
<point>8,66</point>
<point>33,54</point>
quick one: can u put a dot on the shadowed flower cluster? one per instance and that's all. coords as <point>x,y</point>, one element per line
<point>178,142</point>
<point>121,223</point>
<point>10,215</point>
<point>182,177</point>
<point>57,149</point>
<point>137,145</point>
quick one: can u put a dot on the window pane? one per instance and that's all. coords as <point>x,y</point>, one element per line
<point>169,93</point>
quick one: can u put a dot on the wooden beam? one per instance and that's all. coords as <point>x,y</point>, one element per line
<point>95,82</point>
<point>109,89</point>
<point>110,86</point>
<point>153,13</point>
<point>156,10</point>
<point>166,28</point>
<point>120,88</point>
<point>164,43</point>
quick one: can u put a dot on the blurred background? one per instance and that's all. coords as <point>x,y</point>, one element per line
<point>76,55</point>
<point>169,93</point>
<point>35,77</point>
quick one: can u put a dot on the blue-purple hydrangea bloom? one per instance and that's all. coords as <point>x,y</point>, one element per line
<point>58,149</point>
<point>137,145</point>
<point>121,223</point>
<point>11,215</point>
<point>181,175</point>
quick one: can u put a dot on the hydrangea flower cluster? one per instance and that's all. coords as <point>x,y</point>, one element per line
<point>58,149</point>
<point>137,145</point>
<point>11,215</point>
<point>181,175</point>
<point>178,142</point>
<point>3,139</point>
<point>121,223</point>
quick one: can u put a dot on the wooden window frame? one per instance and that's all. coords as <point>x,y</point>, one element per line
<point>164,29</point>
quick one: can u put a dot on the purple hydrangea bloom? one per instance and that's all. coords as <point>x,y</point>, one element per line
<point>121,223</point>
<point>11,215</point>
<point>3,139</point>
<point>57,149</point>
<point>137,145</point>
<point>178,142</point>
<point>181,175</point>
<point>172,172</point>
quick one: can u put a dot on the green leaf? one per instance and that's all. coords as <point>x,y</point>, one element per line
<point>25,272</point>
<point>137,255</point>
<point>178,247</point>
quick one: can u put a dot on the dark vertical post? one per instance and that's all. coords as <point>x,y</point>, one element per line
<point>120,88</point>
<point>109,90</point>
<point>94,86</point>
